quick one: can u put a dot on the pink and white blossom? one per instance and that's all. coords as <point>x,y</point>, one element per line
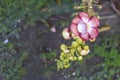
<point>85,26</point>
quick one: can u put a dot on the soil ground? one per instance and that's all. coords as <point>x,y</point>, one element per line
<point>39,39</point>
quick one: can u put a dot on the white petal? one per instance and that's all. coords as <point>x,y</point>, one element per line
<point>82,28</point>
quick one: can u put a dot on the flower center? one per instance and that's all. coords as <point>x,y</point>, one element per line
<point>82,27</point>
<point>88,26</point>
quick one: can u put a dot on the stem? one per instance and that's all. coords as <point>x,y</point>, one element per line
<point>80,7</point>
<point>90,7</point>
<point>84,2</point>
<point>106,28</point>
<point>110,16</point>
<point>59,2</point>
<point>45,22</point>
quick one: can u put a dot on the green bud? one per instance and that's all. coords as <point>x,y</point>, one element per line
<point>66,60</point>
<point>72,50</point>
<point>74,44</point>
<point>75,58</point>
<point>61,58</point>
<point>59,64</point>
<point>79,40</point>
<point>67,65</point>
<point>63,47</point>
<point>80,58</point>
<point>79,48</point>
<point>86,48</point>
<point>75,37</point>
<point>62,53</point>
<point>71,58</point>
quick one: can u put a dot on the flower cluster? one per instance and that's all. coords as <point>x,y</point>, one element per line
<point>82,28</point>
<point>75,52</point>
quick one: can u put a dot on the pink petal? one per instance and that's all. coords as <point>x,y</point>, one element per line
<point>93,22</point>
<point>93,32</point>
<point>82,28</point>
<point>53,29</point>
<point>76,20</point>
<point>85,36</point>
<point>74,29</point>
<point>84,17</point>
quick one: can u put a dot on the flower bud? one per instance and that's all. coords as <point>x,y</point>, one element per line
<point>80,58</point>
<point>79,40</point>
<point>66,50</point>
<point>73,58</point>
<point>74,44</point>
<point>66,34</point>
<point>74,36</point>
<point>72,50</point>
<point>79,49</point>
<point>62,47</point>
<point>84,52</point>
<point>86,48</point>
<point>67,65</point>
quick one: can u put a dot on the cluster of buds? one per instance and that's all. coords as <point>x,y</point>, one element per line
<point>75,52</point>
<point>82,28</point>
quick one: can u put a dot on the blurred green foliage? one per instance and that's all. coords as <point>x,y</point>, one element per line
<point>109,52</point>
<point>15,14</point>
<point>12,12</point>
<point>11,64</point>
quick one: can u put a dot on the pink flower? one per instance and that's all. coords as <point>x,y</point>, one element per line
<point>84,26</point>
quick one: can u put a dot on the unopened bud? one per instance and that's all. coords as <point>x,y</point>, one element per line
<point>62,47</point>
<point>79,48</point>
<point>79,40</point>
<point>80,58</point>
<point>86,48</point>
<point>66,34</point>
<point>84,52</point>
<point>66,51</point>
<point>73,58</point>
<point>74,44</point>
<point>67,65</point>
